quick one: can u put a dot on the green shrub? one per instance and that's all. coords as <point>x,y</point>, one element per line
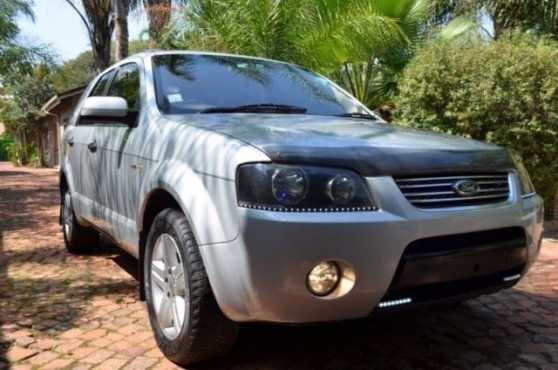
<point>5,142</point>
<point>503,92</point>
<point>33,156</point>
<point>27,155</point>
<point>13,154</point>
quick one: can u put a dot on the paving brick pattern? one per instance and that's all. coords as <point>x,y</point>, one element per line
<point>82,312</point>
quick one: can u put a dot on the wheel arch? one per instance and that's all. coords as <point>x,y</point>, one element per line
<point>193,193</point>
<point>155,201</point>
<point>63,181</point>
<point>206,201</point>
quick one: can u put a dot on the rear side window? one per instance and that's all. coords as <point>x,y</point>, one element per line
<point>102,85</point>
<point>126,85</point>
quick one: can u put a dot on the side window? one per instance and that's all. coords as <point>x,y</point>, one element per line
<point>101,86</point>
<point>126,85</point>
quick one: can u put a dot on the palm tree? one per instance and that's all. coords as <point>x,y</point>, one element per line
<point>371,71</point>
<point>158,15</point>
<point>122,9</point>
<point>97,16</point>
<point>13,55</point>
<point>362,44</point>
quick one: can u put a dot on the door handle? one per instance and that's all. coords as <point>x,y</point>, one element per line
<point>92,146</point>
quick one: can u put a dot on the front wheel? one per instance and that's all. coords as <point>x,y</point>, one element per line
<point>187,322</point>
<point>77,238</point>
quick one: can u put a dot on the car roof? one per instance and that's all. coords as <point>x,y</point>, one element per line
<point>150,53</point>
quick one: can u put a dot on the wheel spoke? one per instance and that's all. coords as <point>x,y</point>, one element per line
<point>170,251</point>
<point>165,313</point>
<point>158,274</point>
<point>177,322</point>
<point>180,282</point>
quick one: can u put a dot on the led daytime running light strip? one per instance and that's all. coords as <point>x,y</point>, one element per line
<point>286,209</point>
<point>512,278</point>
<point>396,302</point>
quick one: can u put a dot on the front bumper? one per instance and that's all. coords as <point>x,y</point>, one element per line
<point>261,275</point>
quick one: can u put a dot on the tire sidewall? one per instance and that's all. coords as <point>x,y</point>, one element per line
<point>67,198</point>
<point>163,225</point>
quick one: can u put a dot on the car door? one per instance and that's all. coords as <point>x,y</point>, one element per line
<point>84,159</point>
<point>117,152</point>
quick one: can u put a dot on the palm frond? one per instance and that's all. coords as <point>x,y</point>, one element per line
<point>460,27</point>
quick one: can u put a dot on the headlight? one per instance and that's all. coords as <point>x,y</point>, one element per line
<point>301,189</point>
<point>525,182</point>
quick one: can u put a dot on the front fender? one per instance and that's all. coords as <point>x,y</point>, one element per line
<point>205,199</point>
<point>66,169</point>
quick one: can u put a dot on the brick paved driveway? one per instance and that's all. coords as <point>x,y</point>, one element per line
<point>58,310</point>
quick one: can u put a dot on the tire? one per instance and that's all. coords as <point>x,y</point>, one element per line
<point>78,239</point>
<point>181,285</point>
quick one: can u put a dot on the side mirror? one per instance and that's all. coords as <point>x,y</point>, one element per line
<point>104,107</point>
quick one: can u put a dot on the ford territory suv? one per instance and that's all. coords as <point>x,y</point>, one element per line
<point>255,190</point>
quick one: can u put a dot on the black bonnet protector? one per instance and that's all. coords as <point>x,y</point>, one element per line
<point>370,161</point>
<point>368,147</point>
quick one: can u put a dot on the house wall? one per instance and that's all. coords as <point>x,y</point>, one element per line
<point>54,129</point>
<point>49,142</point>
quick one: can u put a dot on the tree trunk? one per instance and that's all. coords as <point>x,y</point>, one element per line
<point>121,9</point>
<point>158,14</point>
<point>97,16</point>
<point>101,54</point>
<point>23,152</point>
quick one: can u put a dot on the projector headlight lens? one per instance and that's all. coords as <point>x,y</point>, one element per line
<point>289,185</point>
<point>323,278</point>
<point>341,189</point>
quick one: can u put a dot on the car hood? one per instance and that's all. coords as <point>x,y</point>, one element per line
<point>368,147</point>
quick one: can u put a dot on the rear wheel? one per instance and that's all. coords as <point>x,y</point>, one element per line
<point>188,324</point>
<point>77,238</point>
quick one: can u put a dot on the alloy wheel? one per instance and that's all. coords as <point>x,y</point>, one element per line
<point>169,286</point>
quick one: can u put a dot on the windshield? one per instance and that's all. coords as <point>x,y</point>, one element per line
<point>213,84</point>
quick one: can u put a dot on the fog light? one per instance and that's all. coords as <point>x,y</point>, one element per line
<point>323,278</point>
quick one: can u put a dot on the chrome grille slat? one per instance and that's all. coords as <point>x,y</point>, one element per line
<point>438,192</point>
<point>460,198</point>
<point>453,178</point>
<point>424,185</point>
<point>492,182</point>
<point>498,191</point>
<point>429,193</point>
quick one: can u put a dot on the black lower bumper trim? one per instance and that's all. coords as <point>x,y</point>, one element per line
<point>483,263</point>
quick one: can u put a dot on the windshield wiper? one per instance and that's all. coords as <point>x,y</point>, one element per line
<point>358,115</point>
<point>257,108</point>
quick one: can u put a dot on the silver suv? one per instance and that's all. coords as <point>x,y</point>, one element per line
<point>255,190</point>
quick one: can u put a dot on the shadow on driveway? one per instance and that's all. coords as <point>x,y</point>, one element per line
<point>4,345</point>
<point>46,293</point>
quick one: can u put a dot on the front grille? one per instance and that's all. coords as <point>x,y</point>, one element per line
<point>511,236</point>
<point>440,191</point>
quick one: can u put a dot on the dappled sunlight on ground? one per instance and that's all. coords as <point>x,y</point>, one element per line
<point>59,310</point>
